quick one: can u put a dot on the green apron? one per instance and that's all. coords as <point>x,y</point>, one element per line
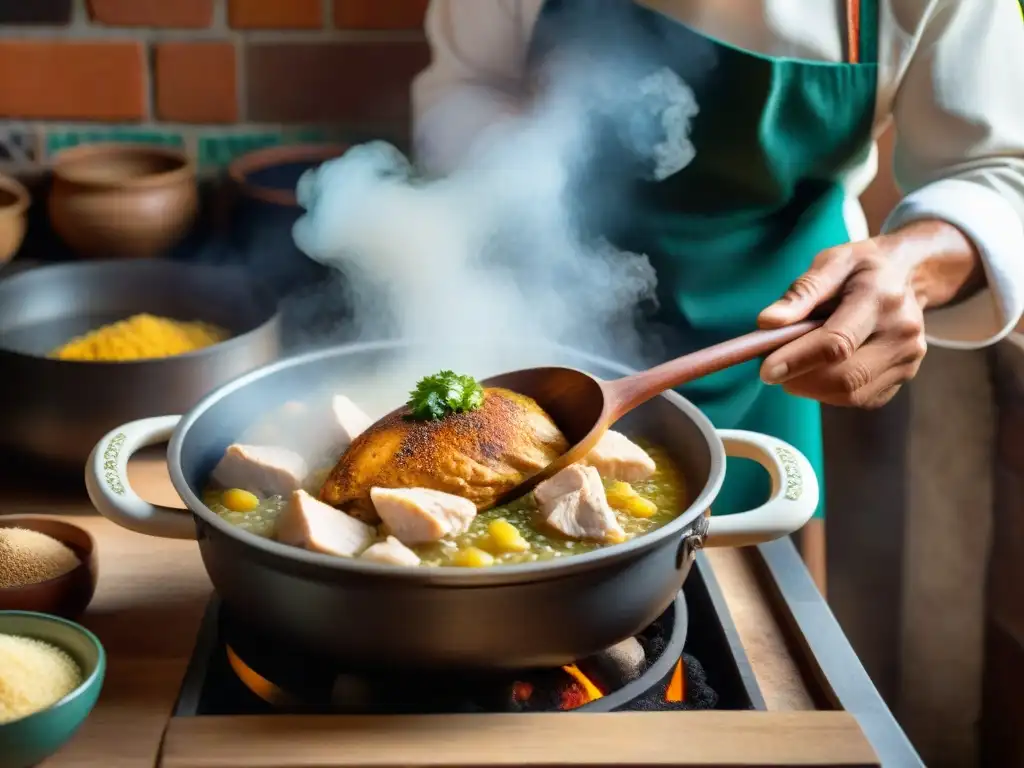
<point>761,198</point>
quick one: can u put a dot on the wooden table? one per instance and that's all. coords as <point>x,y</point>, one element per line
<point>152,593</point>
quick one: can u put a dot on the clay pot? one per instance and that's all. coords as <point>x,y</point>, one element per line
<point>264,210</point>
<point>14,199</point>
<point>122,200</point>
<point>271,174</point>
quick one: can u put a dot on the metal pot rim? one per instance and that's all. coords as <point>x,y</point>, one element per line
<point>265,296</point>
<point>445,575</point>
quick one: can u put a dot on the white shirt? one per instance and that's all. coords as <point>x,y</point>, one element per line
<point>951,76</point>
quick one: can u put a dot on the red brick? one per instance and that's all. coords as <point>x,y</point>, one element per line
<point>379,14</point>
<point>63,80</point>
<point>312,82</point>
<point>196,82</point>
<point>181,14</point>
<point>276,14</point>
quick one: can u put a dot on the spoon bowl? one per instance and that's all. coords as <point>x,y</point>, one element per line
<point>585,407</point>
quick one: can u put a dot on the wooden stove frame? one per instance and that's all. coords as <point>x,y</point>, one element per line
<point>843,721</point>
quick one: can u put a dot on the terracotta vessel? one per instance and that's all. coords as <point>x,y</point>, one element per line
<point>122,200</point>
<point>67,595</point>
<point>270,175</point>
<point>263,211</point>
<point>14,200</point>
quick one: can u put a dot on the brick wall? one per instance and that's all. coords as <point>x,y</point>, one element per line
<point>219,77</point>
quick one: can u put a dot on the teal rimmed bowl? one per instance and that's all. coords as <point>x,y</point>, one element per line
<point>30,740</point>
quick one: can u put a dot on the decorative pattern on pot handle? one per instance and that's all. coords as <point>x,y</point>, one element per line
<point>106,479</point>
<point>795,492</point>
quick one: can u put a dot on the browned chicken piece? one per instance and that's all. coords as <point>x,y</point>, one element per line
<point>478,455</point>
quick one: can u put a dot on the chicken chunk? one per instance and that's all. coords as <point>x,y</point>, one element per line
<point>261,469</point>
<point>478,455</point>
<point>287,426</point>
<point>616,457</point>
<point>421,515</point>
<point>573,502</point>
<point>309,523</point>
<point>390,552</point>
<point>348,421</point>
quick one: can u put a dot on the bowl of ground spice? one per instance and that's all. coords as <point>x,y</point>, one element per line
<point>51,673</point>
<point>46,565</point>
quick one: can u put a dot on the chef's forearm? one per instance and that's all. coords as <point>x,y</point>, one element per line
<point>979,205</point>
<point>943,263</point>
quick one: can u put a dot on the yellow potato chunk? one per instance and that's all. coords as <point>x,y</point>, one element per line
<point>238,500</point>
<point>505,537</point>
<point>640,507</point>
<point>471,557</point>
<point>623,497</point>
<point>618,493</point>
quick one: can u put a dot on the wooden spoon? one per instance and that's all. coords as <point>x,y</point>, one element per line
<point>584,407</point>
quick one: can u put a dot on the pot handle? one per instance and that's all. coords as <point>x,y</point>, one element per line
<point>106,479</point>
<point>795,492</point>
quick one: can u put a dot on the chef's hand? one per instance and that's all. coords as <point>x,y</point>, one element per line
<point>873,342</point>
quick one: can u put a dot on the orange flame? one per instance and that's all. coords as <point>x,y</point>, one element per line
<point>584,692</point>
<point>256,683</point>
<point>521,692</point>
<point>677,685</point>
<point>590,690</point>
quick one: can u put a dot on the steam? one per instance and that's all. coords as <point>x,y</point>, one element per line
<point>487,266</point>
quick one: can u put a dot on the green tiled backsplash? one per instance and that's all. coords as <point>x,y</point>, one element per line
<point>58,140</point>
<point>213,149</point>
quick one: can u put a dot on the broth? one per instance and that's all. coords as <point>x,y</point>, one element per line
<point>666,488</point>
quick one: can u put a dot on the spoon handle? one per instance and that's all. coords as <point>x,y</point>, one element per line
<point>630,391</point>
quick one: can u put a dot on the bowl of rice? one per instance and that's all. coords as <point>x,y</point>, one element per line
<point>46,566</point>
<point>51,673</point>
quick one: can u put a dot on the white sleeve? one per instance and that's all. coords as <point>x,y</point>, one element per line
<point>475,76</point>
<point>959,115</point>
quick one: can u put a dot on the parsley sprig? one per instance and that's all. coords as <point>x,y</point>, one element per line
<point>443,393</point>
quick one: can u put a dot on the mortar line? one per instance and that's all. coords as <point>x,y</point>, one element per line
<point>219,22</point>
<point>91,33</point>
<point>79,15</point>
<point>173,126</point>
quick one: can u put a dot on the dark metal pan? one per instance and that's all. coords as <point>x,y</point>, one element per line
<point>55,410</point>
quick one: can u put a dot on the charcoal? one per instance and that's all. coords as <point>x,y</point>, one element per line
<point>616,666</point>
